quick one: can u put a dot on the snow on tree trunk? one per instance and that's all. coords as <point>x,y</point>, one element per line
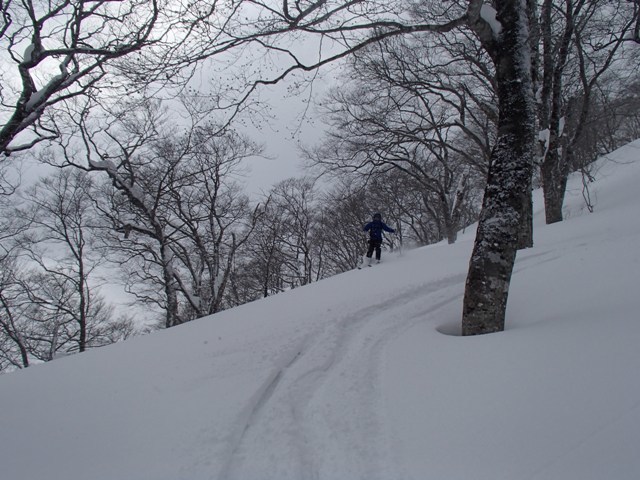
<point>508,184</point>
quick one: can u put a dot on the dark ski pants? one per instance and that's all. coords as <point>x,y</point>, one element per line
<point>374,245</point>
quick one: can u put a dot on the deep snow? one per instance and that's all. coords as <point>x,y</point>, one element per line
<point>362,376</point>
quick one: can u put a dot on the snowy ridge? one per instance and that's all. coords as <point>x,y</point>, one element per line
<point>363,376</point>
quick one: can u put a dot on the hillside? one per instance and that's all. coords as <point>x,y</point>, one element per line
<point>362,376</point>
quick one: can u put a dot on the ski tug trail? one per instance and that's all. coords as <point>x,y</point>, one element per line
<point>301,422</point>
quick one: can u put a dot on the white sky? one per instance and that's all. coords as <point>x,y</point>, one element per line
<point>295,121</point>
<point>359,376</point>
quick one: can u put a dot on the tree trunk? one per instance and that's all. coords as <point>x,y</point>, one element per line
<point>172,316</point>
<point>508,184</point>
<point>452,235</point>
<point>554,184</point>
<point>170,288</point>
<point>554,166</point>
<point>13,333</point>
<point>552,170</point>
<point>526,224</point>
<point>450,223</point>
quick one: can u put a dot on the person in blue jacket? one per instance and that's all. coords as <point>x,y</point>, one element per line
<point>375,228</point>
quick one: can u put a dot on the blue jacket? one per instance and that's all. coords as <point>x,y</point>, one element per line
<point>375,229</point>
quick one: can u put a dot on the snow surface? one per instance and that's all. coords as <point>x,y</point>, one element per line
<point>362,376</point>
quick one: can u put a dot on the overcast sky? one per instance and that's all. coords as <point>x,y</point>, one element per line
<point>295,122</point>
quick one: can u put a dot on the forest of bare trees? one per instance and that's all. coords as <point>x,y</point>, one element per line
<point>445,114</point>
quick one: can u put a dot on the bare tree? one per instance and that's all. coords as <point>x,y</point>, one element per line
<point>581,40</point>
<point>425,216</point>
<point>51,320</point>
<point>507,194</point>
<point>338,28</point>
<point>173,199</point>
<point>263,261</point>
<point>49,304</point>
<point>14,349</point>
<point>286,250</point>
<point>614,118</point>
<point>294,201</point>
<point>349,204</point>
<point>345,207</point>
<point>60,50</point>
<point>215,217</point>
<point>13,345</point>
<point>374,134</point>
<point>503,33</point>
<point>59,243</point>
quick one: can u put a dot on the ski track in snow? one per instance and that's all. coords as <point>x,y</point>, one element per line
<point>320,426</point>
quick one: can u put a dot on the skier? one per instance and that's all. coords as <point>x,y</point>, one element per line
<point>375,229</point>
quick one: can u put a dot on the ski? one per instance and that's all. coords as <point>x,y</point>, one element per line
<point>360,266</point>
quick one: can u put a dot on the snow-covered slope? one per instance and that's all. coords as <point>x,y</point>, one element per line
<point>362,376</point>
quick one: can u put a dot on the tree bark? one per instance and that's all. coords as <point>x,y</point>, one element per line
<point>172,317</point>
<point>554,183</point>
<point>508,184</point>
